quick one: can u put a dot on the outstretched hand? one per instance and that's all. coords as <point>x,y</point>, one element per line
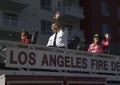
<point>56,17</point>
<point>57,14</point>
<point>107,36</point>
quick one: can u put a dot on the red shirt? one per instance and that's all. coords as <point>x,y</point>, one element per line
<point>25,40</point>
<point>95,48</point>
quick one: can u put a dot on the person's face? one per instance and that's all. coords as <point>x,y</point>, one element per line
<point>96,40</point>
<point>54,28</point>
<point>107,35</point>
<point>23,35</point>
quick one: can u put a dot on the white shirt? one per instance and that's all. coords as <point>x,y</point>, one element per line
<point>61,38</point>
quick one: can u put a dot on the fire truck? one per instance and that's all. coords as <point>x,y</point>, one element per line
<point>29,64</point>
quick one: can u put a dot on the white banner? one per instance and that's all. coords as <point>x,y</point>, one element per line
<point>29,58</point>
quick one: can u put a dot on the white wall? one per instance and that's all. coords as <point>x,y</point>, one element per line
<point>2,79</point>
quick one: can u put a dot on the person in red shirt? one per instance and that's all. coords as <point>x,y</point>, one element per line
<point>96,46</point>
<point>25,37</point>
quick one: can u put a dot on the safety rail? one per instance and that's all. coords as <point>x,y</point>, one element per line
<point>53,49</point>
<point>94,64</point>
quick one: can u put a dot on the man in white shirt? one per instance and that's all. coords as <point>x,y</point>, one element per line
<point>59,38</point>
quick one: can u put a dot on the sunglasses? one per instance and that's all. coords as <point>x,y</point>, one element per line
<point>96,37</point>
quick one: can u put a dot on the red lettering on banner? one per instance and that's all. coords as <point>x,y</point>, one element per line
<point>118,66</point>
<point>60,61</point>
<point>52,60</point>
<point>92,63</point>
<point>99,64</point>
<point>44,60</point>
<point>67,61</point>
<point>22,58</point>
<point>64,61</point>
<point>84,61</point>
<point>57,61</point>
<point>12,61</point>
<point>78,62</point>
<point>32,60</point>
<point>105,65</point>
<point>72,63</point>
<point>81,63</point>
<point>115,66</point>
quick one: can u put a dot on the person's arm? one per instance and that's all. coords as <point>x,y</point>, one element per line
<point>57,15</point>
<point>57,20</point>
<point>106,42</point>
<point>49,42</point>
<point>89,48</point>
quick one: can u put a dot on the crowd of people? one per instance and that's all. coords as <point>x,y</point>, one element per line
<point>59,39</point>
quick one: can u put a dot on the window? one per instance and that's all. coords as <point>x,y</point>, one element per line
<point>105,9</point>
<point>106,29</point>
<point>119,12</point>
<point>64,5</point>
<point>45,27</point>
<point>10,20</point>
<point>46,4</point>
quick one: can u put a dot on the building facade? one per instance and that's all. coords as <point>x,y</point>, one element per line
<point>102,16</point>
<point>37,15</point>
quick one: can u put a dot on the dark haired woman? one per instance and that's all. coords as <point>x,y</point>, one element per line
<point>25,37</point>
<point>96,46</point>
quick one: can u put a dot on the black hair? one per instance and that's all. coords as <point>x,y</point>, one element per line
<point>96,35</point>
<point>26,33</point>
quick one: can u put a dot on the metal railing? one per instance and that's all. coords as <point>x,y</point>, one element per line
<point>54,49</point>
